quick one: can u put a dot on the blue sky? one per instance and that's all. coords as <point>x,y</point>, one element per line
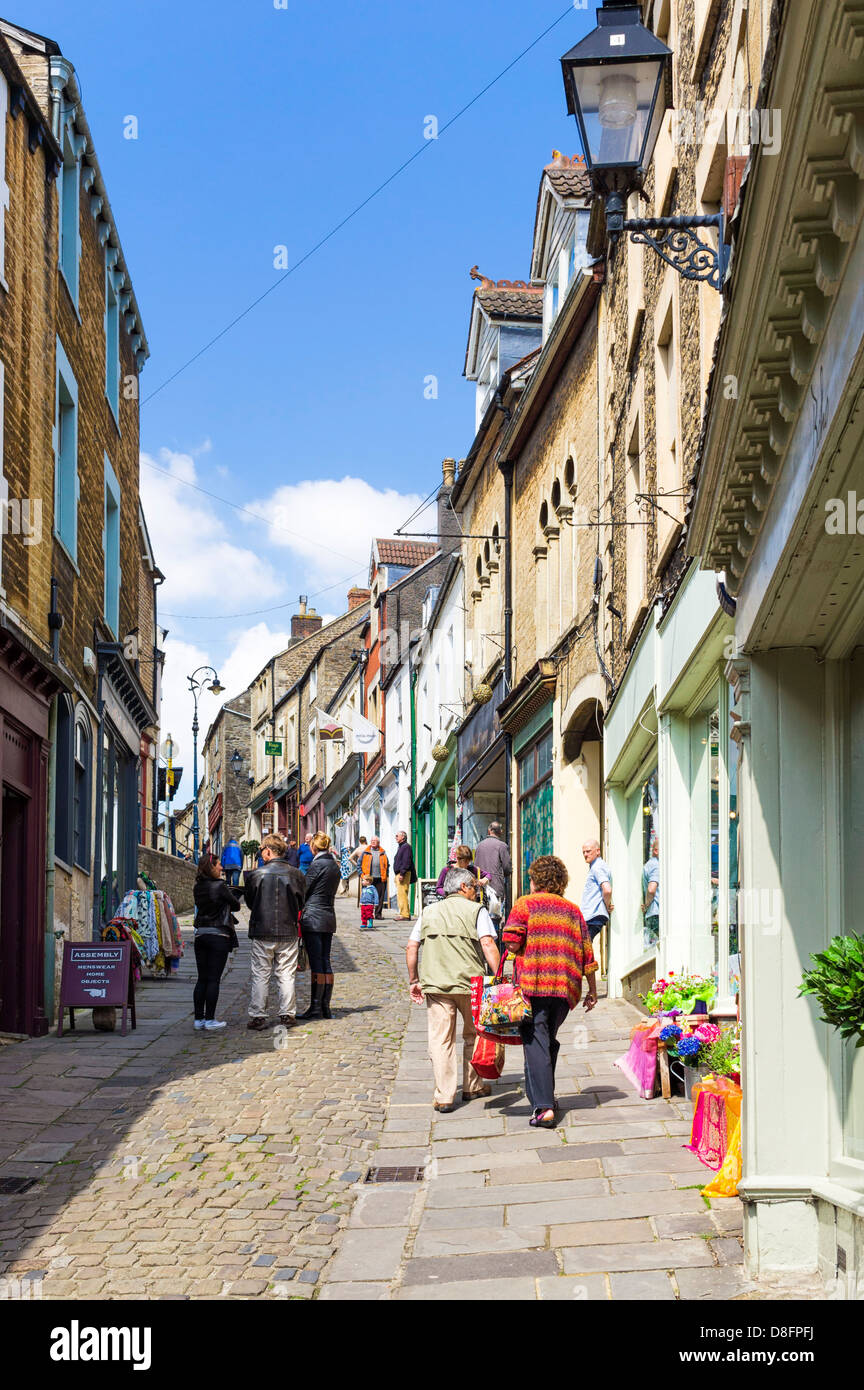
<point>258,128</point>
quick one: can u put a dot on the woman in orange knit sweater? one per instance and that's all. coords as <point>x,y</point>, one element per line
<point>552,946</point>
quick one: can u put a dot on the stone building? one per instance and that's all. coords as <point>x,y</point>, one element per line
<point>276,718</point>
<point>224,796</point>
<point>670,766</point>
<point>776,519</point>
<point>76,690</point>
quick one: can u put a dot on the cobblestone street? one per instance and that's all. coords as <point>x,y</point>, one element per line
<point>179,1164</point>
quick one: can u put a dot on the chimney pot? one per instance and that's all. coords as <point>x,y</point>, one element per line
<point>448,469</point>
<point>357,598</point>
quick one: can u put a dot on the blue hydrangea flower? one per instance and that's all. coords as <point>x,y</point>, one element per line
<point>671,1031</point>
<point>688,1047</point>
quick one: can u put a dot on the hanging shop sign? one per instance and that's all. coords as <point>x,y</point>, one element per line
<point>96,975</point>
<point>273,748</point>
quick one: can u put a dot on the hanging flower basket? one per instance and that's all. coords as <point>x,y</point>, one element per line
<point>440,752</point>
<point>483,693</point>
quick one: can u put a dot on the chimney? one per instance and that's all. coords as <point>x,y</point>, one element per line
<point>304,622</point>
<point>358,598</point>
<point>448,524</point>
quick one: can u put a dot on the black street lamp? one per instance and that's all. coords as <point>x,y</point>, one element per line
<point>618,84</point>
<point>196,686</point>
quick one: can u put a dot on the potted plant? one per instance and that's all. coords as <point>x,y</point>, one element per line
<point>699,1052</point>
<point>679,993</point>
<point>837,984</point>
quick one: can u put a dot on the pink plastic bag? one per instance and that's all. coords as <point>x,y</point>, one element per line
<point>639,1065</point>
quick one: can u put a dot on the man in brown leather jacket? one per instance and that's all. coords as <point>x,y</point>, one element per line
<point>274,895</point>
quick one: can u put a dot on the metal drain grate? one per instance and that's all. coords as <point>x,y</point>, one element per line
<point>10,1186</point>
<point>394,1175</point>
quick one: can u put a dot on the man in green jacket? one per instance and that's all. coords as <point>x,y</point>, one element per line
<point>458,939</point>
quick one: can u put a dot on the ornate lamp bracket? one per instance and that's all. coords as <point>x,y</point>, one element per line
<point>675,241</point>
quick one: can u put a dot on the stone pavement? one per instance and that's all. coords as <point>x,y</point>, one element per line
<point>608,1205</point>
<point>172,1163</point>
<point>176,1164</point>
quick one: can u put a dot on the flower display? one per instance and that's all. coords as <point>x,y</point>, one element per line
<point>670,1033</point>
<point>688,1049</point>
<point>706,1032</point>
<point>679,992</point>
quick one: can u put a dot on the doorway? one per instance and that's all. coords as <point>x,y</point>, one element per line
<point>13,911</point>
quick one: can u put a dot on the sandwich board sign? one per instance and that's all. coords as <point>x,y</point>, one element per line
<point>96,974</point>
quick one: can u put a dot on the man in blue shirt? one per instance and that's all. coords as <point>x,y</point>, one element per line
<point>232,862</point>
<point>305,855</point>
<point>597,894</point>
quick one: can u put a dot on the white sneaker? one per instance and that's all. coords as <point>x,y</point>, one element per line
<point>211,1025</point>
<point>199,1023</point>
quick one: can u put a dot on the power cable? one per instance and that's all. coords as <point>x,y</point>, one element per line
<point>354,212</point>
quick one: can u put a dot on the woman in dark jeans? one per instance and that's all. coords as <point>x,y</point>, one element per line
<point>215,938</point>
<point>318,923</point>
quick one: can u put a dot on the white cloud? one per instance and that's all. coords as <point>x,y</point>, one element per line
<point>192,544</point>
<point>332,522</point>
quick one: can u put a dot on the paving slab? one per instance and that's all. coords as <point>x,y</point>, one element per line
<point>388,1205</point>
<point>468,1269</point>
<point>650,1286</point>
<point>524,1193</point>
<point>355,1293</point>
<point>658,1254</point>
<point>590,1288</point>
<point>534,1173</point>
<point>442,1218</point>
<point>477,1291</point>
<point>579,1233</point>
<point>710,1283</point>
<point>471,1240</point>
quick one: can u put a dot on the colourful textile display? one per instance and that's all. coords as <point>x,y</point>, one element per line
<point>639,1065</point>
<point>715,1136</point>
<point>159,938</point>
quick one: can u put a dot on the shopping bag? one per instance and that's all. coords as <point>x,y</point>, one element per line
<point>302,957</point>
<point>503,1007</point>
<point>479,985</point>
<point>488,1057</point>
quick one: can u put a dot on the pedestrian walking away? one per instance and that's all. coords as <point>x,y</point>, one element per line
<point>547,935</point>
<point>368,903</point>
<point>318,924</point>
<point>406,874</point>
<point>375,863</point>
<point>597,894</point>
<point>274,895</point>
<point>457,940</point>
<point>292,854</point>
<point>492,858</point>
<point>215,938</point>
<point>232,862</point>
<point>306,854</point>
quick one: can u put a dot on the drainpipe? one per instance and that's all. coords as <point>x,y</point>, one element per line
<point>412,682</point>
<point>50,950</point>
<point>506,468</point>
<point>97,834</point>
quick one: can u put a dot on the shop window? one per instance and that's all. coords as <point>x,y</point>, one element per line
<point>63,830</point>
<point>81,793</point>
<point>535,804</point>
<point>649,899</point>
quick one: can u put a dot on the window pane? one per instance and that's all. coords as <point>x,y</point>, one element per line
<point>526,771</point>
<point>544,756</point>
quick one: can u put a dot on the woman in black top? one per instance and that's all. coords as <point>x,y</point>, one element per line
<point>318,923</point>
<point>215,937</point>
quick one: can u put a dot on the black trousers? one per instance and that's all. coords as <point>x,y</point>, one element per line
<point>378,885</point>
<point>318,945</point>
<point>211,955</point>
<point>541,1046</point>
<point>595,925</point>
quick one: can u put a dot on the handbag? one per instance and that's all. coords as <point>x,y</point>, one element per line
<point>498,1007</point>
<point>488,1057</point>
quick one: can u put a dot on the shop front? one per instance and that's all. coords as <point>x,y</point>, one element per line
<point>482,769</point>
<point>125,712</point>
<point>672,805</point>
<point>341,802</point>
<point>527,715</point>
<point>26,689</point>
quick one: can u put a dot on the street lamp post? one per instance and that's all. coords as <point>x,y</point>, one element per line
<point>618,83</point>
<point>196,686</point>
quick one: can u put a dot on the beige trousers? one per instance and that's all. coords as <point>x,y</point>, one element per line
<point>442,1016</point>
<point>267,957</point>
<point>403,894</point>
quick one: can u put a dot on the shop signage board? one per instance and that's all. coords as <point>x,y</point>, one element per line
<point>273,748</point>
<point>96,974</point>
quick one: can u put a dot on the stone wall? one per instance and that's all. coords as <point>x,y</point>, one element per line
<point>174,876</point>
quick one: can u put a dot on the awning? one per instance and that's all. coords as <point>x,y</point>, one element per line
<point>215,814</point>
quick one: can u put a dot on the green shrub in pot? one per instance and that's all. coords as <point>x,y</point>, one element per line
<point>837,985</point>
